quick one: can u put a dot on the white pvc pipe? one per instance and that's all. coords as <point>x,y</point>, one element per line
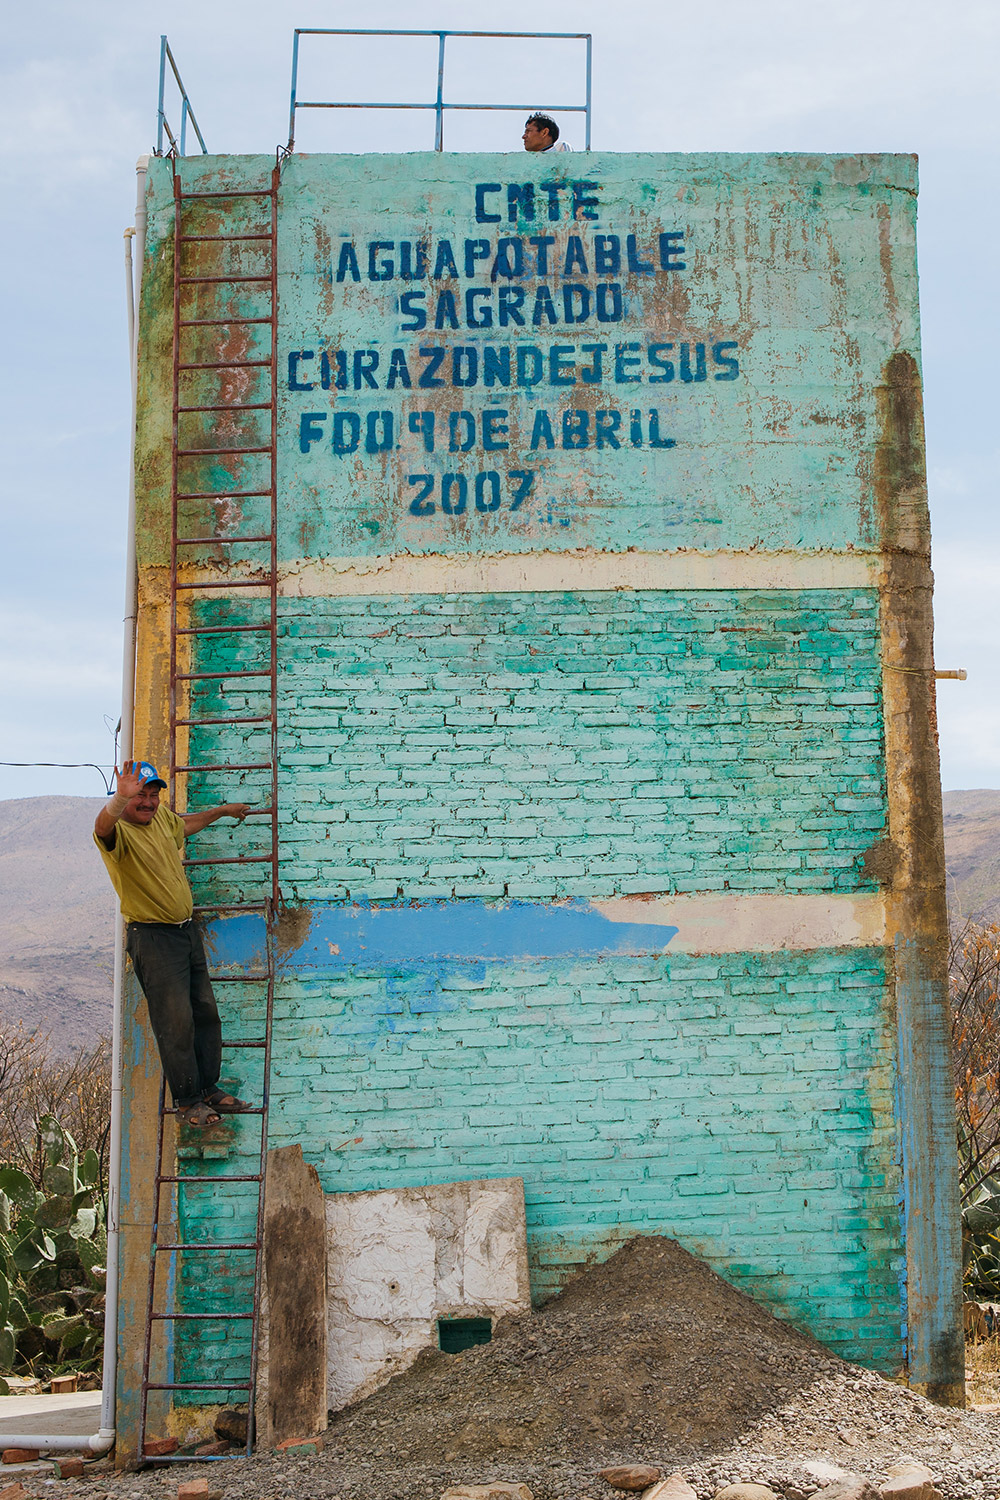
<point>103,1440</point>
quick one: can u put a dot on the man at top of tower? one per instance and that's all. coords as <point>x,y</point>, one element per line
<point>541,134</point>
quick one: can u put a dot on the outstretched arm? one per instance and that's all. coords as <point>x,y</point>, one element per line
<point>195,822</point>
<point>128,785</point>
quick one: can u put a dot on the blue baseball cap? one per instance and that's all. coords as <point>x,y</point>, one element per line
<point>150,775</point>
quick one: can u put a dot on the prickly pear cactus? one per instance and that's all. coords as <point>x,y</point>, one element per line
<point>53,1249</point>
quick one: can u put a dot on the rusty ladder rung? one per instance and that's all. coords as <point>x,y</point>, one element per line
<point>217,280</point>
<point>230,406</point>
<point>216,452</point>
<point>240,1113</point>
<point>229,541</point>
<point>224,719</point>
<point>222,494</point>
<point>225,239</point>
<point>229,583</point>
<point>242,1177</point>
<point>165,1245</point>
<point>230,193</point>
<point>221,676</point>
<point>218,630</point>
<point>217,323</point>
<point>197,1385</point>
<point>197,1317</point>
<point>230,364</point>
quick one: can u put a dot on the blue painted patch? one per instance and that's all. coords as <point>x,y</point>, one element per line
<point>237,942</point>
<point>470,931</point>
<point>437,932</point>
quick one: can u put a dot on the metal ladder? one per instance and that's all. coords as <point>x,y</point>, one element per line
<point>207,407</point>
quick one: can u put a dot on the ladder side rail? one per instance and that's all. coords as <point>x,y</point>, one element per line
<point>273,911</point>
<point>184,718</point>
<point>151,1289</point>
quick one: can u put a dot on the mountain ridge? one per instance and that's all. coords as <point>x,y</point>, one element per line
<point>57,907</point>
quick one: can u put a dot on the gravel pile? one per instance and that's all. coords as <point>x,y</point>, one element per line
<point>649,1358</point>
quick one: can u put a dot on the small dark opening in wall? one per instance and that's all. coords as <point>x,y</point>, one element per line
<point>456,1334</point>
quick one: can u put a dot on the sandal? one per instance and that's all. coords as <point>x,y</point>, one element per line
<point>226,1104</point>
<point>199,1115</point>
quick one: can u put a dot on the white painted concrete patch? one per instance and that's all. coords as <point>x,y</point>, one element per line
<point>505,573</point>
<point>757,924</point>
<point>517,573</point>
<point>397,1261</point>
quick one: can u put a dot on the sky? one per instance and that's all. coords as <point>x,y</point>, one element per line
<point>78,105</point>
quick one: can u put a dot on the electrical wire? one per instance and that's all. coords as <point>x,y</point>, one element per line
<point>63,765</point>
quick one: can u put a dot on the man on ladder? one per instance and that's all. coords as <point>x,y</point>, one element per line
<point>140,842</point>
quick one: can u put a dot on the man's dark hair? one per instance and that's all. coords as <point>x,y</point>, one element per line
<point>544,122</point>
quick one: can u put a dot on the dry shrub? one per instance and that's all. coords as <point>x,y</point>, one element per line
<point>34,1082</point>
<point>974,973</point>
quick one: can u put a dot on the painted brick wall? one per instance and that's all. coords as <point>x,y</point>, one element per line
<point>586,745</point>
<point>743,1104</point>
<point>594,744</point>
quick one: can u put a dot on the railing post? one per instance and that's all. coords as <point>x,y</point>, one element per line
<point>163,80</point>
<point>589,50</point>
<point>439,104</point>
<point>295,77</point>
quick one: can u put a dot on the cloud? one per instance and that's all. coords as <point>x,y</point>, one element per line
<point>53,122</point>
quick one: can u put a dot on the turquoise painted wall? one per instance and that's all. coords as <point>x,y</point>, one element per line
<point>754,303</point>
<point>454,764</point>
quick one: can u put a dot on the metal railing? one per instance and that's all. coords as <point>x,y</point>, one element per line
<point>439,105</point>
<point>179,141</point>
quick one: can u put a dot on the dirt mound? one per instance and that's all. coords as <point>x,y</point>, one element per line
<point>651,1348</point>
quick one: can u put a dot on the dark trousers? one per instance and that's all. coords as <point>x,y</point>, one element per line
<point>170,965</point>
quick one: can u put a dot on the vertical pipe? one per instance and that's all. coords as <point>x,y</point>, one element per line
<point>110,1374</point>
<point>129,236</point>
<point>295,81</point>
<point>590,44</point>
<point>159,110</point>
<point>439,103</point>
<point>184,122</point>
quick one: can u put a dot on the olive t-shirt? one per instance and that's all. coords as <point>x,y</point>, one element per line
<point>146,870</point>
